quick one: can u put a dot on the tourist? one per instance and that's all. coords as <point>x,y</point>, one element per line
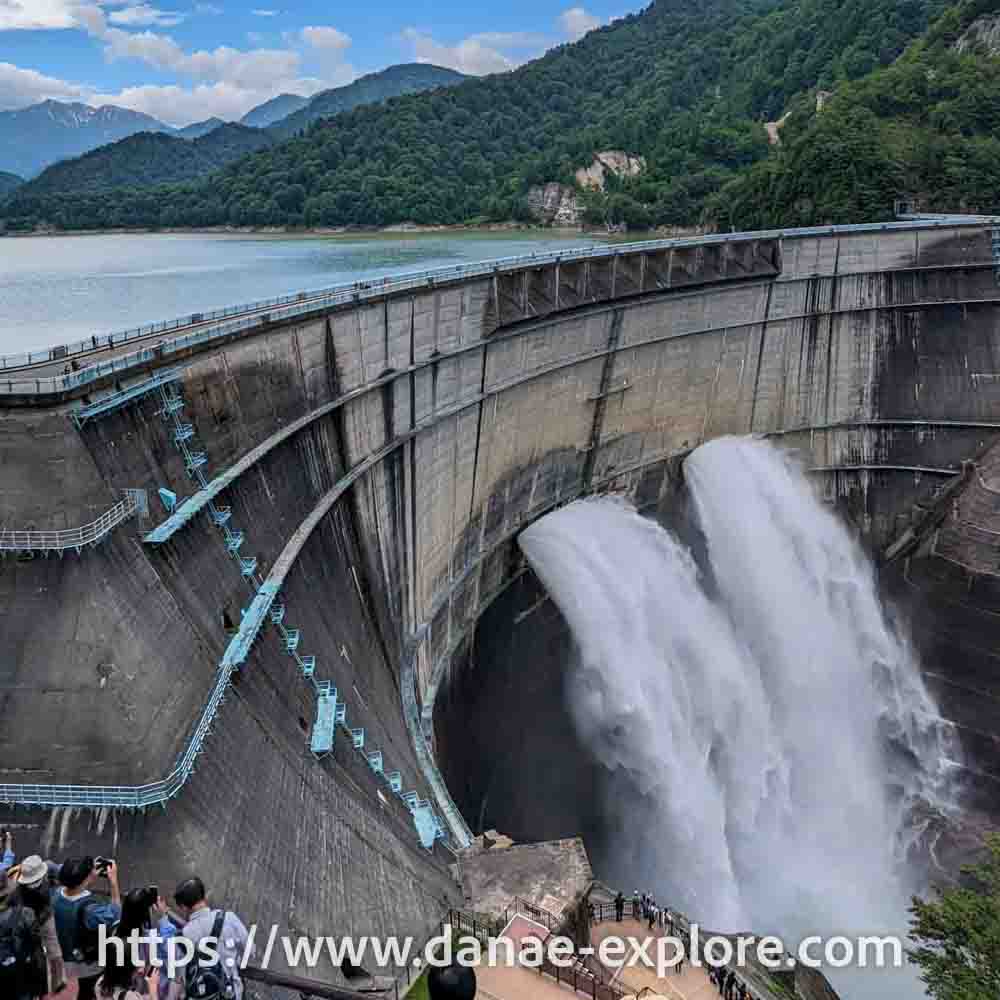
<point>78,915</point>
<point>22,958</point>
<point>636,903</point>
<point>619,906</point>
<point>140,909</point>
<point>33,878</point>
<point>654,914</point>
<point>7,846</point>
<point>204,922</point>
<point>122,980</point>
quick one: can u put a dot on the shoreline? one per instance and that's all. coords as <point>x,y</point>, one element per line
<point>398,229</point>
<point>321,232</point>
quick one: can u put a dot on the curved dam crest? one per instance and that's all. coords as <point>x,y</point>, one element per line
<point>416,434</point>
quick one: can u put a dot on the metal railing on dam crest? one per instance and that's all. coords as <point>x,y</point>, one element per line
<point>250,316</point>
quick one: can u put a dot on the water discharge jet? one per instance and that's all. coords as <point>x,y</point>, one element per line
<point>767,725</point>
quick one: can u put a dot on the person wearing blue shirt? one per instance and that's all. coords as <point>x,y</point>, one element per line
<point>79,914</point>
<point>8,853</point>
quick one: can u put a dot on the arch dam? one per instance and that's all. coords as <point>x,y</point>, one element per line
<point>263,611</point>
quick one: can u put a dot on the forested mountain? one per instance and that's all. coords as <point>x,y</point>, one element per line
<point>147,159</point>
<point>144,159</point>
<point>926,127</point>
<point>273,110</point>
<point>32,138</point>
<point>8,182</point>
<point>406,78</point>
<point>686,86</point>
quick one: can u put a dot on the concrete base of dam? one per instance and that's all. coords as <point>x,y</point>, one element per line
<point>379,458</point>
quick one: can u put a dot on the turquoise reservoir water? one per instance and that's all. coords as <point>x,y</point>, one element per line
<point>56,289</point>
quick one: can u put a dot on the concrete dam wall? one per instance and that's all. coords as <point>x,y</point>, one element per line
<point>378,457</point>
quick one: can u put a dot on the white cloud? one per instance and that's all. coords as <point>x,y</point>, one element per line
<point>322,37</point>
<point>249,69</point>
<point>207,8</point>
<point>143,15</point>
<point>576,22</point>
<point>37,14</point>
<point>180,106</point>
<point>21,87</point>
<point>476,55</point>
<point>265,13</point>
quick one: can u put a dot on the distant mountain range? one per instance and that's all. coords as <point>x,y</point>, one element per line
<point>32,138</point>
<point>406,78</point>
<point>8,182</point>
<point>161,155</point>
<point>197,129</point>
<point>273,110</point>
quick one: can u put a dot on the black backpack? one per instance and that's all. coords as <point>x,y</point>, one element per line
<point>210,982</point>
<point>16,953</point>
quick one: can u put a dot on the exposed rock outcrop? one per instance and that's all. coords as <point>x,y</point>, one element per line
<point>612,161</point>
<point>774,128</point>
<point>554,204</point>
<point>985,32</point>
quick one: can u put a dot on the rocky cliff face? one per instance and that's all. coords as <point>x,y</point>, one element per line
<point>555,204</point>
<point>559,205</point>
<point>611,161</point>
<point>985,32</point>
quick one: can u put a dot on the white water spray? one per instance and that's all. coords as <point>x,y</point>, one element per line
<point>769,731</point>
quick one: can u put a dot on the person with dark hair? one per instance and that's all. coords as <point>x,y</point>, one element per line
<point>139,909</point>
<point>619,906</point>
<point>456,982</point>
<point>230,936</point>
<point>79,915</point>
<point>122,980</point>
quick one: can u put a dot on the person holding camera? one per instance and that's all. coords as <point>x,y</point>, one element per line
<point>122,979</point>
<point>79,914</point>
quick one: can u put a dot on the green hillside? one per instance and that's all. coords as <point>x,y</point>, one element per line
<point>147,159</point>
<point>687,86</point>
<point>927,127</point>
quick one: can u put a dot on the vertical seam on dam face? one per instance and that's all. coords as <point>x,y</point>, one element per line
<point>600,404</point>
<point>760,357</point>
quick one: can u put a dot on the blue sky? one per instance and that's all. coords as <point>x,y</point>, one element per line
<point>188,60</point>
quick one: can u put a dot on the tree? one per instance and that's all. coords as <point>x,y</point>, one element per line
<point>958,934</point>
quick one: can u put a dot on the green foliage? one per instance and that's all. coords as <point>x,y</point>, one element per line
<point>926,127</point>
<point>687,86</point>
<point>957,935</point>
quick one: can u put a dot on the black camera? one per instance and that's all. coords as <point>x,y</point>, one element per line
<point>101,865</point>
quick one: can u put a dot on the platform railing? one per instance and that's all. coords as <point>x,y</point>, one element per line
<point>27,540</point>
<point>249,315</point>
